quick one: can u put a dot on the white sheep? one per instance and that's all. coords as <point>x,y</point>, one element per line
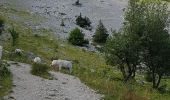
<point>62,63</point>
<point>37,60</point>
<point>18,51</point>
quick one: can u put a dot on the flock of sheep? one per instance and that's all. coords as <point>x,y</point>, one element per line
<point>56,64</point>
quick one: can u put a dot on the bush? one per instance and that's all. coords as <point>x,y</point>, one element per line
<point>4,71</point>
<point>148,77</point>
<point>40,69</point>
<point>100,33</point>
<point>15,36</point>
<point>77,37</point>
<point>83,22</point>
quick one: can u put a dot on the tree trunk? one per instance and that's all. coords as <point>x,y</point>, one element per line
<point>159,80</point>
<point>153,79</point>
<point>122,69</point>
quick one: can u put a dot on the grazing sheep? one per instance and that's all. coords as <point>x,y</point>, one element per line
<point>37,60</point>
<point>62,63</point>
<point>1,49</point>
<point>18,51</point>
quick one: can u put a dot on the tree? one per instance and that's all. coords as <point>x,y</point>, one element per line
<point>83,22</point>
<point>100,33</point>
<point>77,37</point>
<point>144,38</point>
<point>123,50</point>
<point>14,35</point>
<point>156,40</point>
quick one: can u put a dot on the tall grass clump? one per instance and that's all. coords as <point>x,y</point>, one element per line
<point>5,79</point>
<point>41,70</point>
<point>14,35</point>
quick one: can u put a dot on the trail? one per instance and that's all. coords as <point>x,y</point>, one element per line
<point>63,87</point>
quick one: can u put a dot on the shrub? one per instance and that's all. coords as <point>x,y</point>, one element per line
<point>77,37</point>
<point>83,22</point>
<point>39,69</point>
<point>100,33</point>
<point>4,71</point>
<point>15,36</point>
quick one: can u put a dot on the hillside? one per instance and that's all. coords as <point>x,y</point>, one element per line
<point>40,34</point>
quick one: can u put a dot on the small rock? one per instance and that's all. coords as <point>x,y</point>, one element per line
<point>52,95</point>
<point>64,82</point>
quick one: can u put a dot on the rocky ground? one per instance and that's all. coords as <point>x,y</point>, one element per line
<point>109,11</point>
<point>62,87</point>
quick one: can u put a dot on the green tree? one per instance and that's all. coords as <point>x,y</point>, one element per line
<point>83,22</point>
<point>100,35</point>
<point>77,37</point>
<point>156,40</point>
<point>14,35</point>
<point>143,39</point>
<point>122,50</point>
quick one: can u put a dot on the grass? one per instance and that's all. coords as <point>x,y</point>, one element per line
<point>88,66</point>
<point>41,70</point>
<point>5,80</point>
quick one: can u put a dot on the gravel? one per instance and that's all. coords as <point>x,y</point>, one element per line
<point>109,11</point>
<point>63,87</point>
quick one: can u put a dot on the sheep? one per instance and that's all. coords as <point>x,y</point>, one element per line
<point>37,60</point>
<point>18,51</point>
<point>62,63</point>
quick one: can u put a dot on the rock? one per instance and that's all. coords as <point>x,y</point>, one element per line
<point>64,82</point>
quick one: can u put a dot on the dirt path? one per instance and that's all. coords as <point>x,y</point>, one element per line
<point>63,87</point>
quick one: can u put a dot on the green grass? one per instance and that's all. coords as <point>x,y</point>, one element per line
<point>88,66</point>
<point>5,79</point>
<point>41,70</point>
<point>6,84</point>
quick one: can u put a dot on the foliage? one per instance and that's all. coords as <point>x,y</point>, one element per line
<point>77,37</point>
<point>14,35</point>
<point>156,40</point>
<point>100,33</point>
<point>123,50</point>
<point>83,22</point>
<point>5,79</point>
<point>144,39</point>
<point>4,71</point>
